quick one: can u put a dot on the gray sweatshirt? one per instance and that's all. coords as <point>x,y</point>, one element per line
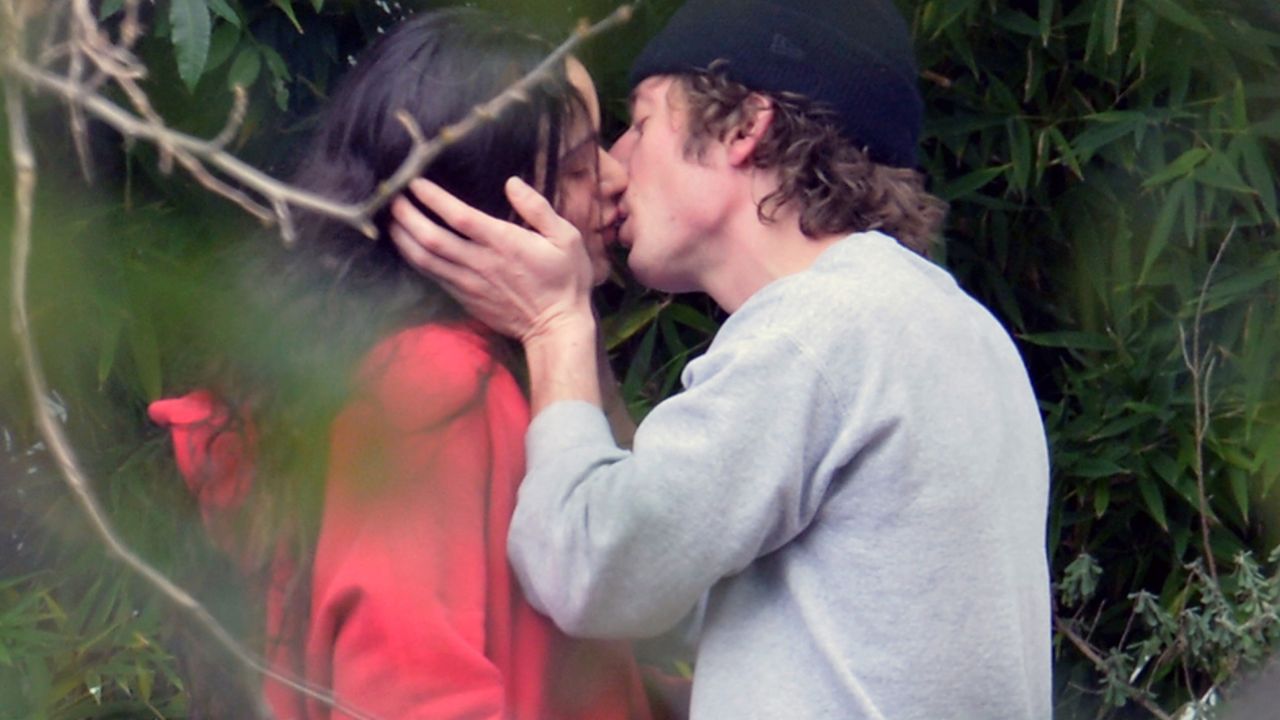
<point>855,476</point>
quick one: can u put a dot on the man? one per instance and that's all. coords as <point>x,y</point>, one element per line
<point>855,475</point>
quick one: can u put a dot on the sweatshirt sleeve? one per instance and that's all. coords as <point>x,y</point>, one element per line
<point>214,456</point>
<point>611,543</point>
<point>400,587</point>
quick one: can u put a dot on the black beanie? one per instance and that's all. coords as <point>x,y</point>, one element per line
<point>852,56</point>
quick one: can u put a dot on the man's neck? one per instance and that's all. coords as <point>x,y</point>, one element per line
<point>760,253</point>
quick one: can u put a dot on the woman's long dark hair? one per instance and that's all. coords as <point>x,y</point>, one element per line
<point>307,314</point>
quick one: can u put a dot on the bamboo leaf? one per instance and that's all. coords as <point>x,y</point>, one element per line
<point>1163,228</point>
<point>111,327</point>
<point>1045,20</point>
<point>146,358</point>
<point>1239,113</point>
<point>1180,167</point>
<point>1173,12</point>
<point>972,182</point>
<point>1114,11</point>
<point>620,327</point>
<point>1101,500</point>
<point>1153,500</point>
<point>1258,171</point>
<point>689,317</point>
<point>1218,172</point>
<point>1070,339</point>
<point>191,33</point>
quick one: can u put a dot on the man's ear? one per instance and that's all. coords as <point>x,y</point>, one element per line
<point>743,139</point>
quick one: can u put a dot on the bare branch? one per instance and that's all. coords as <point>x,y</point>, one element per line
<point>1091,653</point>
<point>116,63</point>
<point>1201,376</point>
<point>235,119</point>
<point>173,144</point>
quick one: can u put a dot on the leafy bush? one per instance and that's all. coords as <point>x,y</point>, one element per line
<point>1111,171</point>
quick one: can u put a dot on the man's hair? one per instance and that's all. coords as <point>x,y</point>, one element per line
<point>831,182</point>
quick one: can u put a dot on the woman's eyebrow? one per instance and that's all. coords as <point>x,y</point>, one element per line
<point>592,138</point>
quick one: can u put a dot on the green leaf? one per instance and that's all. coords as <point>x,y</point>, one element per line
<point>1153,500</point>
<point>286,6</point>
<point>317,5</point>
<point>620,327</point>
<point>244,70</point>
<point>275,63</point>
<point>689,317</point>
<point>1070,339</point>
<point>1065,151</point>
<point>971,183</point>
<point>1019,154</point>
<point>1091,467</point>
<point>1163,228</point>
<point>224,11</point>
<point>1239,113</point>
<point>1258,170</point>
<point>191,31</point>
<point>1045,20</point>
<point>1173,12</point>
<point>109,8</point>
<point>223,43</point>
<point>1182,166</point>
<point>111,327</point>
<point>146,358</point>
<point>1101,500</point>
<point>1114,11</point>
<point>1220,173</point>
<point>1091,140</point>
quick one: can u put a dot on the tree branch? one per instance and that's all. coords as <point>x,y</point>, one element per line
<point>1091,653</point>
<point>1200,365</point>
<point>116,63</point>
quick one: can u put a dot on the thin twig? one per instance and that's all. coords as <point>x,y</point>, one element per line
<point>116,63</point>
<point>60,447</point>
<point>1200,364</point>
<point>1091,653</point>
<point>278,194</point>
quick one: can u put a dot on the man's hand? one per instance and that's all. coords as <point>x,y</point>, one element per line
<point>519,281</point>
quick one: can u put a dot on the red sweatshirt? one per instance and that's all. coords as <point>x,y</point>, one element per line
<point>414,610</point>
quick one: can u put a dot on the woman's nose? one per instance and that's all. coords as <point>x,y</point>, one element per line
<point>613,176</point>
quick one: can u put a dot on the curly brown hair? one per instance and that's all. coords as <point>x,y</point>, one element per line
<point>838,188</point>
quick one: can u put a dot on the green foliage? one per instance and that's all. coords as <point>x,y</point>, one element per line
<point>1097,154</point>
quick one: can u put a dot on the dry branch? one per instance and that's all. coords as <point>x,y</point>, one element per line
<point>116,63</point>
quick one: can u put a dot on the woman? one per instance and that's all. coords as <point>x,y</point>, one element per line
<point>399,597</point>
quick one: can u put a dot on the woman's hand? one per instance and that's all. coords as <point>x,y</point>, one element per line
<point>522,282</point>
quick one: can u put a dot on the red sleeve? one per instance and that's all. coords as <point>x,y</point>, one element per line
<point>214,457</point>
<point>399,591</point>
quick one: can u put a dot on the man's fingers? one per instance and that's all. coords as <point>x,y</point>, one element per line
<point>426,260</point>
<point>536,210</point>
<point>468,221</point>
<point>432,237</point>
